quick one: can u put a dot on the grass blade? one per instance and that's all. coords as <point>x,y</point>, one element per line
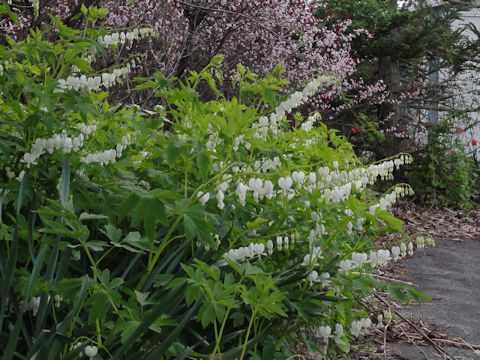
<point>12,258</point>
<point>35,271</point>
<point>13,339</point>
<point>64,261</point>
<point>178,253</point>
<point>234,353</point>
<point>42,310</point>
<point>65,185</point>
<point>148,320</point>
<point>31,224</point>
<point>159,351</point>
<point>62,328</point>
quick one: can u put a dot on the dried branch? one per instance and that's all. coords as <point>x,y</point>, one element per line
<point>439,349</point>
<point>214,9</point>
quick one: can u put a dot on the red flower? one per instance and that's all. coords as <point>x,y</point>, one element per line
<point>474,143</point>
<point>355,129</point>
<point>453,151</point>
<point>428,126</point>
<point>458,128</point>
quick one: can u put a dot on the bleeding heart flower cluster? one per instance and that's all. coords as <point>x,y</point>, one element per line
<point>33,305</point>
<point>94,83</point>
<point>380,257</point>
<point>108,156</point>
<point>311,259</point>
<point>290,184</point>
<point>314,277</point>
<point>383,256</point>
<point>310,122</point>
<point>360,327</point>
<point>57,142</point>
<point>246,252</point>
<point>240,140</point>
<point>121,38</point>
<point>325,331</point>
<point>296,99</point>
<point>388,200</point>
<point>266,164</point>
<point>400,252</point>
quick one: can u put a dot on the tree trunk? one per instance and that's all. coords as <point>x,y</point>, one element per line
<point>389,116</point>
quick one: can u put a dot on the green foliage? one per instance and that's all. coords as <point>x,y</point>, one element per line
<point>420,50</point>
<point>125,253</point>
<point>446,174</point>
<point>402,32</point>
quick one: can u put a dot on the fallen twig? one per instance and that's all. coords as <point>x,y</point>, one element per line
<point>420,331</point>
<point>461,343</point>
<point>385,342</point>
<point>394,280</point>
<point>414,343</point>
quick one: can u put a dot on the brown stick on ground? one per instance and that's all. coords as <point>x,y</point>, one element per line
<point>413,342</point>
<point>420,331</point>
<point>461,344</point>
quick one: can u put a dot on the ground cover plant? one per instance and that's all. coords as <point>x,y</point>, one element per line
<point>197,229</point>
<point>447,172</point>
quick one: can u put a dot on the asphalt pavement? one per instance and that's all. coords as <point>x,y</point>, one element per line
<point>450,274</point>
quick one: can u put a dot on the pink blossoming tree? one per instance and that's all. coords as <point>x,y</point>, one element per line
<point>258,34</point>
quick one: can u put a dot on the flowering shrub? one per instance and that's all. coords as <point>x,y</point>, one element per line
<point>447,172</point>
<point>258,34</point>
<point>235,231</point>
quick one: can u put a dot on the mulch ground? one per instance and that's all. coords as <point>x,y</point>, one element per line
<point>439,222</point>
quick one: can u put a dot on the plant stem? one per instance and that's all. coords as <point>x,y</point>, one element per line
<point>85,29</point>
<point>246,336</point>
<point>104,255</point>
<point>89,255</point>
<point>164,243</point>
<point>20,356</point>
<point>99,335</point>
<point>186,182</point>
<point>217,339</point>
